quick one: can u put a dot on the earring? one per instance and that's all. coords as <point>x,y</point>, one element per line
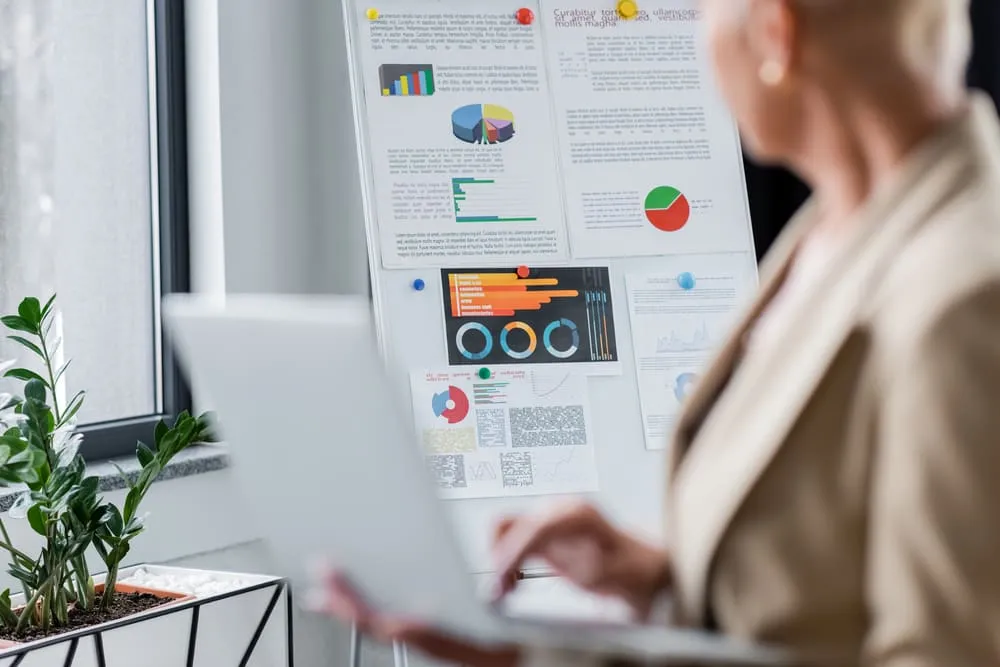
<point>771,73</point>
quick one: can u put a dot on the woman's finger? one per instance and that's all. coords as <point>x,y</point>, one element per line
<point>518,545</point>
<point>531,537</point>
<point>341,600</point>
<point>503,527</point>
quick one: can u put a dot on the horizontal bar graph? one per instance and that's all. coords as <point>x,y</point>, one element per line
<point>487,200</point>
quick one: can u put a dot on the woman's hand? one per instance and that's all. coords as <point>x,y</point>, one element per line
<point>585,548</point>
<point>341,601</point>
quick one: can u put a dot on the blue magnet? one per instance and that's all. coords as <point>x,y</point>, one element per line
<point>419,284</point>
<point>685,281</point>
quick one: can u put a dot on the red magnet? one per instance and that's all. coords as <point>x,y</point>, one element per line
<point>523,271</point>
<point>525,16</point>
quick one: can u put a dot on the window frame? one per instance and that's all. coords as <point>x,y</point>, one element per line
<point>170,225</point>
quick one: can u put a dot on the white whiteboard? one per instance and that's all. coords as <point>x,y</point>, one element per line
<point>411,322</point>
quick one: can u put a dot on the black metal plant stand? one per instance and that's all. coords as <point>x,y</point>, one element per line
<point>76,640</point>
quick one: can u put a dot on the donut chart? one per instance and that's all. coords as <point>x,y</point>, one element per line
<point>555,326</point>
<point>464,350</point>
<point>451,405</point>
<point>505,345</point>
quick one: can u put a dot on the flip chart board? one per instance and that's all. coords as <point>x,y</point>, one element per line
<point>559,237</point>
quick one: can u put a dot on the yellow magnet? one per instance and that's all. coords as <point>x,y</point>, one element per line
<point>372,14</point>
<point>627,9</point>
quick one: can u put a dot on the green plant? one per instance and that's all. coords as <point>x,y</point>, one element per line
<point>39,449</point>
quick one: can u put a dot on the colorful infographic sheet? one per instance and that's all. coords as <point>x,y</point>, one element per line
<point>679,318</point>
<point>650,157</point>
<point>528,315</point>
<point>460,135</point>
<point>515,432</point>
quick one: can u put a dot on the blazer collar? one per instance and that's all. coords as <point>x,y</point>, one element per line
<point>709,481</point>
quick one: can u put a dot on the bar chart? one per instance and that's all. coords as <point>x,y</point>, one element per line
<point>490,200</point>
<point>554,315</point>
<point>406,80</point>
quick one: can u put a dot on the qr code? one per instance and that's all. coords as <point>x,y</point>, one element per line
<point>492,425</point>
<point>516,470</point>
<point>448,471</point>
<point>548,426</point>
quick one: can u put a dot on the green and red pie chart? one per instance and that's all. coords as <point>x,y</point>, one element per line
<point>667,208</point>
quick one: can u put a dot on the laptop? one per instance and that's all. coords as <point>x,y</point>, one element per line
<point>328,465</point>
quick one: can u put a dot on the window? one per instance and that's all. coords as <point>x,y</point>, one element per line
<point>93,196</point>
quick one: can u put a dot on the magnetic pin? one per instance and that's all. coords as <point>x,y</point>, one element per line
<point>523,271</point>
<point>372,14</point>
<point>484,374</point>
<point>627,9</point>
<point>685,281</point>
<point>525,16</point>
<point>419,284</point>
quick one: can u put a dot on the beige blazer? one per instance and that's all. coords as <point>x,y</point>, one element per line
<point>837,491</point>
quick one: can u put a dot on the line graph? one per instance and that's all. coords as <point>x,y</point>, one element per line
<point>700,340</point>
<point>540,389</point>
<point>482,471</point>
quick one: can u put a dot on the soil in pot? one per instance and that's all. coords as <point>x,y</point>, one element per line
<point>128,601</point>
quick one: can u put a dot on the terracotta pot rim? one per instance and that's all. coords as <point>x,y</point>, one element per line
<point>173,598</point>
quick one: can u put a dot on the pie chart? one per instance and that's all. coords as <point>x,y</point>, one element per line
<point>667,208</point>
<point>482,124</point>
<point>683,384</point>
<point>451,405</point>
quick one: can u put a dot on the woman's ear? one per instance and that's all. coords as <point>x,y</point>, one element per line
<point>772,27</point>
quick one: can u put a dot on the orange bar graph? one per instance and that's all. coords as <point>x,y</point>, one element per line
<point>500,294</point>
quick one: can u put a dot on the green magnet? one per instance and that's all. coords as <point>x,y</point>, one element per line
<point>484,374</point>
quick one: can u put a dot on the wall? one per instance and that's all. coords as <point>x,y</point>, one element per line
<point>290,193</point>
<point>275,207</point>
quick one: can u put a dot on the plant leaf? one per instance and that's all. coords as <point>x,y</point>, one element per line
<point>161,430</point>
<point>74,406</point>
<point>132,503</point>
<point>23,374</point>
<point>7,615</point>
<point>144,454</point>
<point>124,476</point>
<point>17,323</point>
<point>48,306</point>
<point>31,312</point>
<point>59,373</point>
<point>35,390</point>
<point>37,519</point>
<point>19,509</point>
<point>28,344</point>
<point>113,520</point>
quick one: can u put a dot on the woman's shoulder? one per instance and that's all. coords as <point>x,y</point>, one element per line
<point>946,274</point>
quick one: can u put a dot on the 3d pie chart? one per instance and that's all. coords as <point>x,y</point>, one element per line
<point>667,208</point>
<point>482,124</point>
<point>451,405</point>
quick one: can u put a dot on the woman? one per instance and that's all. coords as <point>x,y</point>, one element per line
<point>835,474</point>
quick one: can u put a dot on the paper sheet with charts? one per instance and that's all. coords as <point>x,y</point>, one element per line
<point>558,232</point>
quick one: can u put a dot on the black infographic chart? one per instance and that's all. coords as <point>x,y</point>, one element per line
<point>529,316</point>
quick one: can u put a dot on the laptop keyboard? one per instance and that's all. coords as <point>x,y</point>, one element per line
<point>554,598</point>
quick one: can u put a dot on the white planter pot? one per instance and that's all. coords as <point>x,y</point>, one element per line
<point>221,627</point>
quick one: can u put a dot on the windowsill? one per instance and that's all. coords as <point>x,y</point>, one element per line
<point>194,461</point>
